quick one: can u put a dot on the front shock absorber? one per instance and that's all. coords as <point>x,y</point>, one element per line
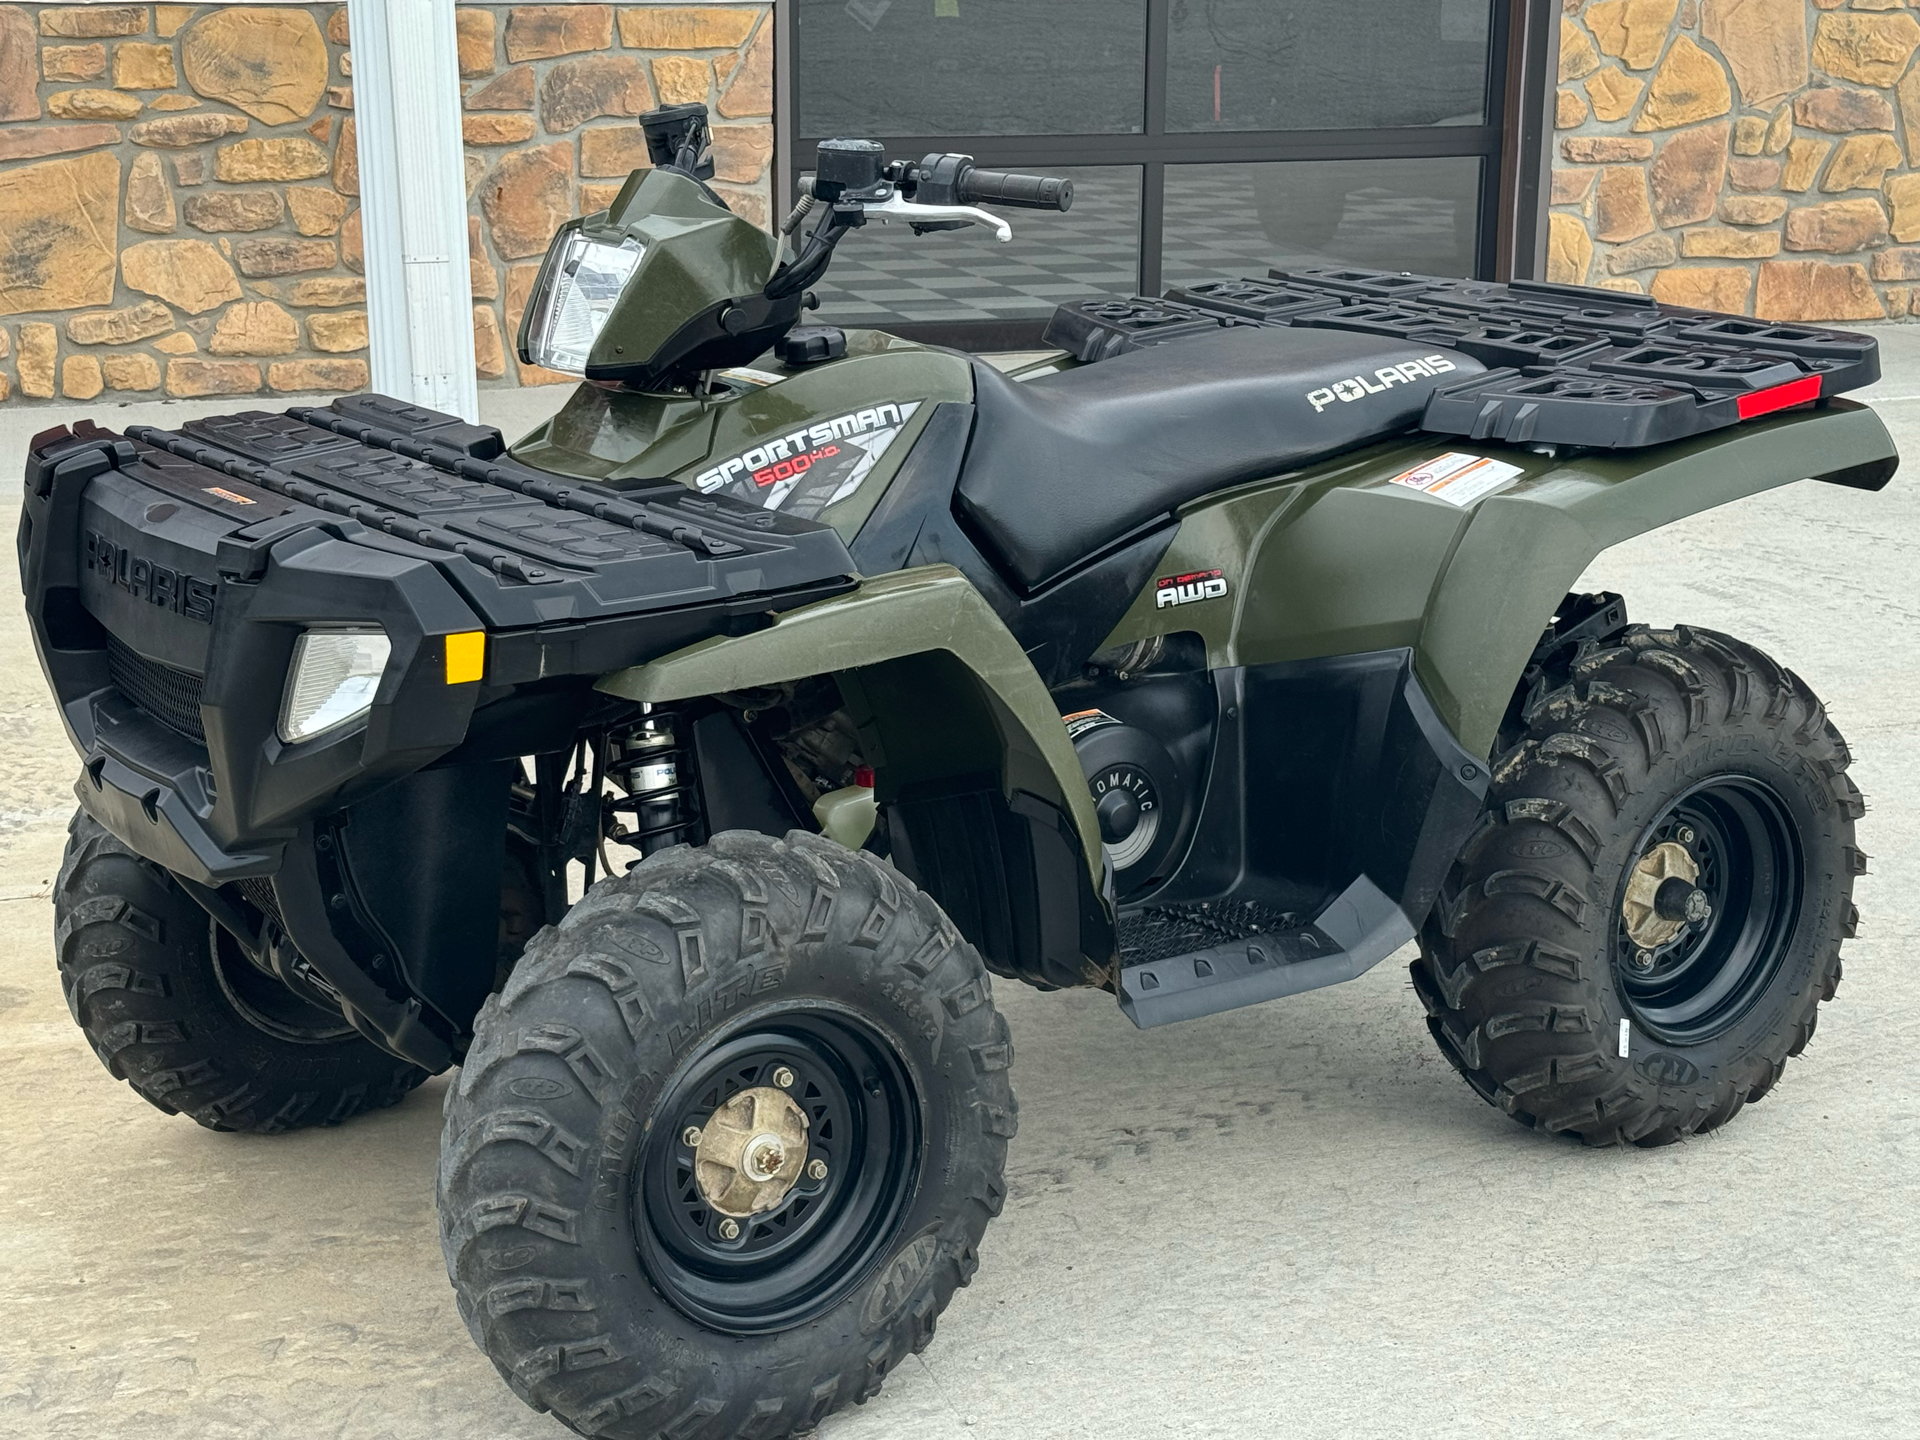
<point>653,764</point>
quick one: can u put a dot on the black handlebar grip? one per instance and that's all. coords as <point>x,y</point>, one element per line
<point>1023,192</point>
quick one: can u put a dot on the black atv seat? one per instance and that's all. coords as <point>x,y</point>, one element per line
<point>1062,465</point>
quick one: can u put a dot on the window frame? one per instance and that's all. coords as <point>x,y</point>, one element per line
<point>1511,147</point>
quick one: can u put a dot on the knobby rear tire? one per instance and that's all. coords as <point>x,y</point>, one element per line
<point>1517,965</point>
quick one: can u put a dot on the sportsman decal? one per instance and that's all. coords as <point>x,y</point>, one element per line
<point>1359,387</point>
<point>804,472</point>
<point>1185,589</point>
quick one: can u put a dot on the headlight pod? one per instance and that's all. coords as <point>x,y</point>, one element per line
<point>332,681</point>
<point>587,279</point>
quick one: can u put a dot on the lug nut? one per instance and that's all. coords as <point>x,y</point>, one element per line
<point>1685,835</point>
<point>690,1137</point>
<point>816,1169</point>
<point>729,1229</point>
<point>783,1077</point>
<point>1643,959</point>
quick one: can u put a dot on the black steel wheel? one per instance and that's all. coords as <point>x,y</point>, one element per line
<point>724,1146</point>
<point>1639,936</point>
<point>795,1259</point>
<point>1738,836</point>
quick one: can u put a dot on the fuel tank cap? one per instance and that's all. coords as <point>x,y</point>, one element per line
<point>811,344</point>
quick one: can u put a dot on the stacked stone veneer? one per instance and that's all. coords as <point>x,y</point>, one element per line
<point>1756,156</point>
<point>179,208</point>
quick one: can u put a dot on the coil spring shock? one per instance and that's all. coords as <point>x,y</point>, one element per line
<point>652,762</point>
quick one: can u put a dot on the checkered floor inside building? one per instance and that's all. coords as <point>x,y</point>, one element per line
<point>1214,231</point>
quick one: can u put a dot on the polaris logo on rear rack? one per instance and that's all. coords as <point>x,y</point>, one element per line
<point>1358,388</point>
<point>804,472</point>
<point>1185,589</point>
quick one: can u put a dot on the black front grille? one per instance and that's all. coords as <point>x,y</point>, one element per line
<point>171,696</point>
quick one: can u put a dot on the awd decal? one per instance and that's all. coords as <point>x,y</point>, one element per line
<point>1185,589</point>
<point>811,468</point>
<point>1359,387</point>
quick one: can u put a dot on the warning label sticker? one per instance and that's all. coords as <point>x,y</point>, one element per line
<point>808,470</point>
<point>1081,721</point>
<point>1459,479</point>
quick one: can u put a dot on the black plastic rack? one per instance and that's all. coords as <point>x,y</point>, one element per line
<point>1566,365</point>
<point>543,547</point>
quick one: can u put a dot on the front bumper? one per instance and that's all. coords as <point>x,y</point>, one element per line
<point>167,576</point>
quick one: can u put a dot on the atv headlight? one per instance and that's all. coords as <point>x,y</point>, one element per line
<point>331,684</point>
<point>587,279</point>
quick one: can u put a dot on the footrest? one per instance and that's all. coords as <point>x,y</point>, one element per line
<point>1179,962</point>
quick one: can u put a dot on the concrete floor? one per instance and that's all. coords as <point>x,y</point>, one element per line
<point>1292,1220</point>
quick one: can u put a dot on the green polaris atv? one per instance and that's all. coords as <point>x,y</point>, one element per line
<point>683,772</point>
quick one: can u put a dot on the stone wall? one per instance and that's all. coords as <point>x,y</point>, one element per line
<point>179,194</point>
<point>1756,156</point>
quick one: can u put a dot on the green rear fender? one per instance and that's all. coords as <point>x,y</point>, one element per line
<point>938,685</point>
<point>1524,551</point>
<point>1340,561</point>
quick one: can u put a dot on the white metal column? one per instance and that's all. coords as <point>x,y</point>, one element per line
<point>413,202</point>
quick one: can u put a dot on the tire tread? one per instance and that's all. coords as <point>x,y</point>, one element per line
<point>1587,746</point>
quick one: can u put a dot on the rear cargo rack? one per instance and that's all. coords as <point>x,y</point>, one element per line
<point>1567,365</point>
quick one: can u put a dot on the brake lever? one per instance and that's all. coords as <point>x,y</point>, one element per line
<point>915,214</point>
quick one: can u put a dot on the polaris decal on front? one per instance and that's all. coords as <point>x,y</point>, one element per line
<point>804,472</point>
<point>157,584</point>
<point>1185,589</point>
<point>1359,387</point>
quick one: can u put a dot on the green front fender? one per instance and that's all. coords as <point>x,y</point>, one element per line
<point>937,683</point>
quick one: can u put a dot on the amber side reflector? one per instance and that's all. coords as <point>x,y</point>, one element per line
<point>1794,392</point>
<point>466,657</point>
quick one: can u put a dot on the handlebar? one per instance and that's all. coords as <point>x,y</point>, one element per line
<point>956,180</point>
<point>939,192</point>
<point>1005,187</point>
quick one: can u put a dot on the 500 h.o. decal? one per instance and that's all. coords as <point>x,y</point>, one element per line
<point>1184,589</point>
<point>1358,388</point>
<point>807,470</point>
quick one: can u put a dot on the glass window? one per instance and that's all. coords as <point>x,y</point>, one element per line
<point>969,67</point>
<point>1311,65</point>
<point>885,274</point>
<point>1229,221</point>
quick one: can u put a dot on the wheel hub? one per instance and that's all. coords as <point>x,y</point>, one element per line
<point>1662,897</point>
<point>776,1168</point>
<point>1708,912</point>
<point>751,1151</point>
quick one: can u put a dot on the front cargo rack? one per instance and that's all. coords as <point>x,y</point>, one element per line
<point>545,549</point>
<point>1566,365</point>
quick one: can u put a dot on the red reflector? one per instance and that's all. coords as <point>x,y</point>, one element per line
<point>1794,392</point>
